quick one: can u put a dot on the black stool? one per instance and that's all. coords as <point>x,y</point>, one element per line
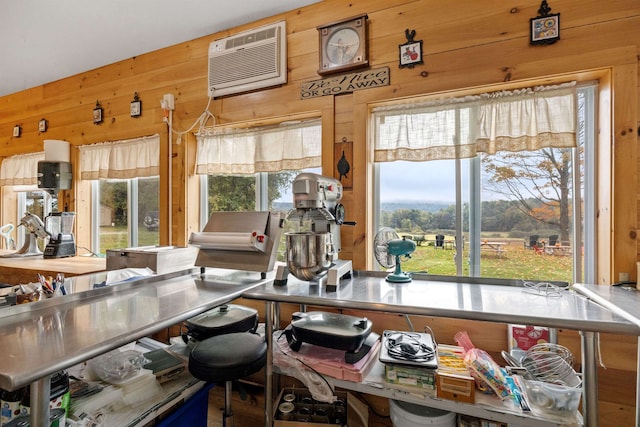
<point>228,357</point>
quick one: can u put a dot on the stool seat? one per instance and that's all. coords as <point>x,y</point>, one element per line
<point>228,357</point>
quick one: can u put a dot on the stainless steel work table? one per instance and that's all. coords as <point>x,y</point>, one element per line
<point>624,301</point>
<point>43,337</point>
<point>493,300</point>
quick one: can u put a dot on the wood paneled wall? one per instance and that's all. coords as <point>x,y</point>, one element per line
<point>469,46</point>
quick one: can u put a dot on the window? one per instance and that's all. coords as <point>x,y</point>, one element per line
<point>125,213</point>
<point>18,177</point>
<point>252,168</point>
<point>504,211</point>
<point>125,192</point>
<point>37,202</point>
<point>262,191</point>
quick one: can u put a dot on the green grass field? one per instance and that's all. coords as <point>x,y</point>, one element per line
<point>516,262</point>
<point>116,238</point>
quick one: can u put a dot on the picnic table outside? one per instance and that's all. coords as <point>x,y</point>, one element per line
<point>495,247</point>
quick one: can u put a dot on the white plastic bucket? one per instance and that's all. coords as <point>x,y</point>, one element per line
<point>405,414</point>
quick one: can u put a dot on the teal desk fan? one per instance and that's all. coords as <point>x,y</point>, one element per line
<point>389,249</point>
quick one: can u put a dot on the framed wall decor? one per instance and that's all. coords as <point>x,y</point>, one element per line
<point>97,114</point>
<point>135,109</point>
<point>42,125</point>
<point>545,28</point>
<point>343,45</point>
<point>411,51</point>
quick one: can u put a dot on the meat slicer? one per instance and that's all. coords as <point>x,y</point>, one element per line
<point>313,245</point>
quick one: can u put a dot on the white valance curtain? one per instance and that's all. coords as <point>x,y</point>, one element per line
<point>288,146</point>
<point>21,169</point>
<point>125,159</point>
<point>518,120</point>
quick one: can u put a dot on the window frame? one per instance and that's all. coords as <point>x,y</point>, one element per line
<point>261,184</point>
<point>132,211</point>
<point>579,225</point>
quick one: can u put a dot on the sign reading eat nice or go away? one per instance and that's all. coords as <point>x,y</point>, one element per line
<point>345,83</point>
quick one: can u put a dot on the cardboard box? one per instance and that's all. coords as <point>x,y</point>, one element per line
<point>524,337</point>
<point>460,388</point>
<point>347,411</point>
<point>408,375</point>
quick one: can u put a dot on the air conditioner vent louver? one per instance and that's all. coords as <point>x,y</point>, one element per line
<point>252,60</point>
<point>269,33</point>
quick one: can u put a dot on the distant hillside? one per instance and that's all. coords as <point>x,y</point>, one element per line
<point>422,206</point>
<point>387,207</point>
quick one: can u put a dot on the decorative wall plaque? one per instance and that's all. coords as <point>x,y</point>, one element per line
<point>345,83</point>
<point>545,28</point>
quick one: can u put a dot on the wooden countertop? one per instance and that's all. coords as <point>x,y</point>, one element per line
<point>16,270</point>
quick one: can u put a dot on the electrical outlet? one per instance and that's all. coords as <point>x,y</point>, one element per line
<point>168,102</point>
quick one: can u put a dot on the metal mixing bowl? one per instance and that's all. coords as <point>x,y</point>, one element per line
<point>309,255</point>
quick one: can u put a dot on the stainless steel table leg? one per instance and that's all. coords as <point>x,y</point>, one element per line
<point>268,383</point>
<point>589,379</point>
<point>40,397</point>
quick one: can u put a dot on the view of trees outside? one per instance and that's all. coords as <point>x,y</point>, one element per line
<point>243,189</point>
<point>538,182</point>
<point>523,194</point>
<point>115,230</point>
<point>526,200</point>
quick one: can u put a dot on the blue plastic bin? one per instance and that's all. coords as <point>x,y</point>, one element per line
<point>193,413</point>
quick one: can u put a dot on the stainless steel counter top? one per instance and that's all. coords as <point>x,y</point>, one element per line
<point>496,300</point>
<point>43,337</point>
<point>624,301</point>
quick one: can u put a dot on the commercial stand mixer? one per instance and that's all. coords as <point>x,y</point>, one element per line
<point>56,232</point>
<point>313,245</point>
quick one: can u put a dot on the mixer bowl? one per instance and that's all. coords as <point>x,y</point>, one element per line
<point>309,255</point>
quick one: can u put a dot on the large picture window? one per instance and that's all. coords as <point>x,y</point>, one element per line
<point>490,185</point>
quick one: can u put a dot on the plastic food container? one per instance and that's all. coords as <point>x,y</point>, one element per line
<point>552,399</point>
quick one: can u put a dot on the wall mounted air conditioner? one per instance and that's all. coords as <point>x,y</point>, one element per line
<point>250,60</point>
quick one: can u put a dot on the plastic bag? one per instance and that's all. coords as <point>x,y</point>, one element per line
<point>483,368</point>
<point>289,365</point>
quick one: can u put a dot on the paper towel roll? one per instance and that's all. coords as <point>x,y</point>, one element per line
<point>56,150</point>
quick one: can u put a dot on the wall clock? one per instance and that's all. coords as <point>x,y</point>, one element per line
<point>343,45</point>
